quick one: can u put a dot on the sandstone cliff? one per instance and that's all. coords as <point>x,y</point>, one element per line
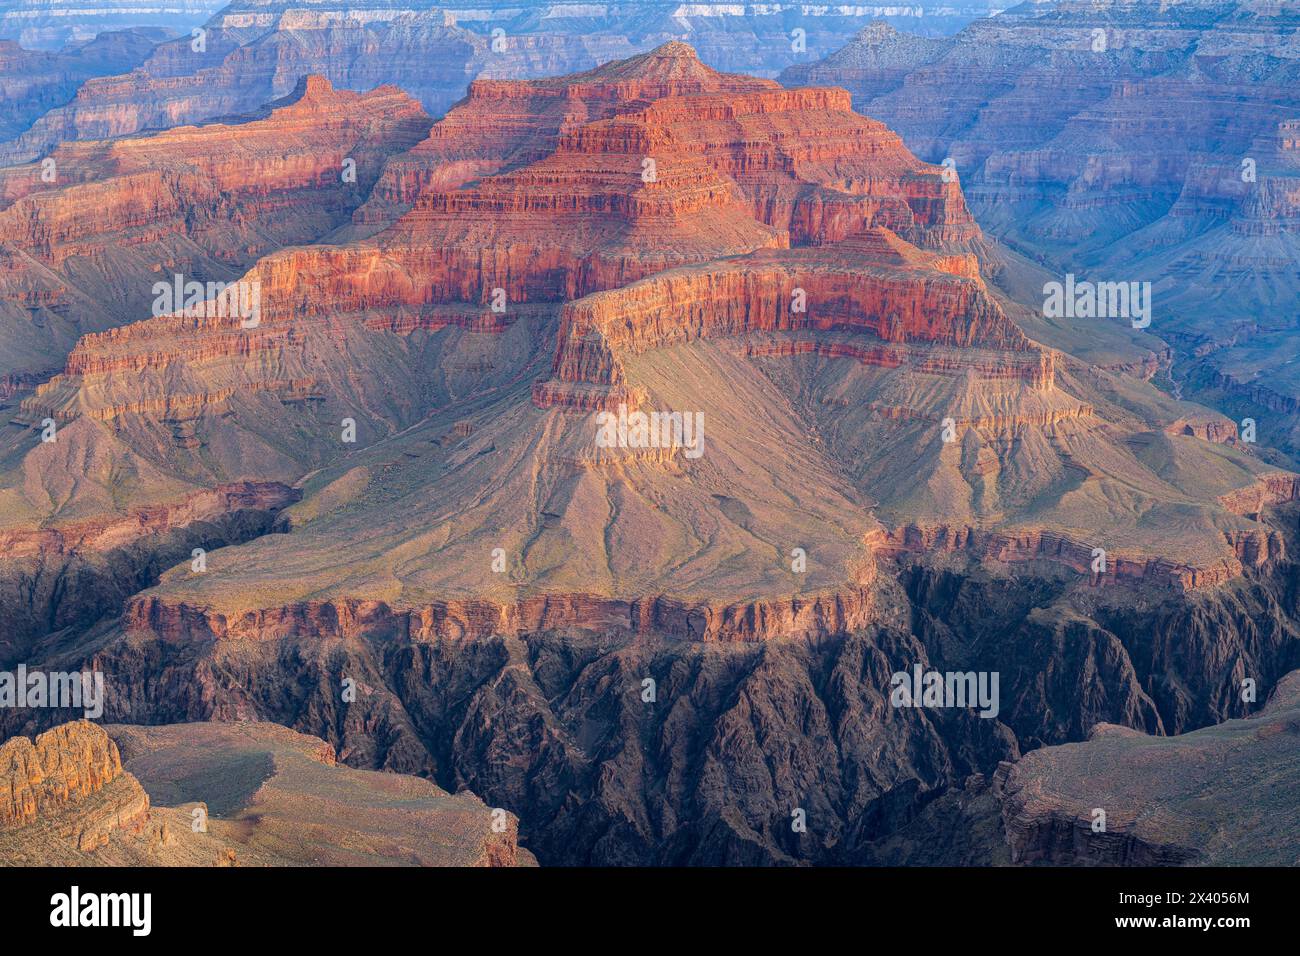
<point>64,767</point>
<point>228,795</point>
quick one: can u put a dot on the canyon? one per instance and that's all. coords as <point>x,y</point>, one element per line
<point>57,24</point>
<point>1125,141</point>
<point>250,52</point>
<point>1159,817</point>
<point>380,517</point>
<point>34,82</point>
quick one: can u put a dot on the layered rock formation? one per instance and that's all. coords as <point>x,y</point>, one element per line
<point>234,69</point>
<point>656,638</point>
<point>75,572</point>
<point>63,768</point>
<point>707,763</point>
<point>85,244</point>
<point>854,173</point>
<point>228,795</point>
<point>32,83</point>
<point>52,24</point>
<point>442,263</point>
<point>866,285</point>
<point>255,51</point>
<point>1126,142</point>
<point>798,258</point>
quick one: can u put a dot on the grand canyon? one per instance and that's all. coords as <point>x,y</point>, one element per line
<point>570,435</point>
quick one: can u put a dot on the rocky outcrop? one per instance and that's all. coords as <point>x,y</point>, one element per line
<point>506,123</point>
<point>105,533</point>
<point>1251,549</point>
<point>1269,490</point>
<point>737,125</point>
<point>873,284</point>
<point>295,803</point>
<point>806,616</point>
<point>249,794</point>
<point>1163,799</point>
<point>100,187</point>
<point>62,768</point>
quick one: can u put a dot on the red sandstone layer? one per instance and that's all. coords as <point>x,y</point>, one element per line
<point>147,187</point>
<point>802,161</point>
<point>874,284</point>
<point>806,616</point>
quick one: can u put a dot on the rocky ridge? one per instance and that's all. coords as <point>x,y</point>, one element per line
<point>256,51</point>
<point>227,795</point>
<point>84,252</point>
<point>34,82</point>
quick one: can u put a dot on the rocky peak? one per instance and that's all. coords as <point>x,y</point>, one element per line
<point>63,767</point>
<point>313,87</point>
<point>674,51</point>
<point>670,69</point>
<point>877,32</point>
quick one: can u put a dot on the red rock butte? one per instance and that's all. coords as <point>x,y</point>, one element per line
<point>657,235</point>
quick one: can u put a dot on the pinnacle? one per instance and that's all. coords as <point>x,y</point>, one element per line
<point>676,48</point>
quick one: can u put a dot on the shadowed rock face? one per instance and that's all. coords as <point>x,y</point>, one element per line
<point>1126,142</point>
<point>74,575</point>
<point>234,70</point>
<point>557,726</point>
<point>32,83</point>
<point>1218,796</point>
<point>227,795</point>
